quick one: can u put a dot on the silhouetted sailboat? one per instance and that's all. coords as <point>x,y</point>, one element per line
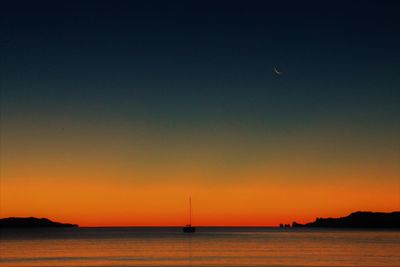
<point>189,228</point>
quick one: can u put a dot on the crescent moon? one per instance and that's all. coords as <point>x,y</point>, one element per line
<point>277,71</point>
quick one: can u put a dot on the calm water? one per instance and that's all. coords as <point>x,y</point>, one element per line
<point>207,247</point>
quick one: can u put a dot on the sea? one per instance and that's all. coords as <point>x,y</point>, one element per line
<point>209,246</point>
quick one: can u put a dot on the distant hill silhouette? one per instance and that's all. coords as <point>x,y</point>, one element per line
<point>359,219</point>
<point>31,222</point>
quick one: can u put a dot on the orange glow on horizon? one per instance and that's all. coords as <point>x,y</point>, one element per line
<point>261,204</point>
<point>243,178</point>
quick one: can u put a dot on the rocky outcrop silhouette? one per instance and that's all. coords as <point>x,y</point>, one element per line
<point>359,219</point>
<point>31,222</point>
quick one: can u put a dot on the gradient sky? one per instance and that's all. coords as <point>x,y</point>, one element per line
<point>114,112</point>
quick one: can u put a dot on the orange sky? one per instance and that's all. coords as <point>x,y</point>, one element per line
<point>98,177</point>
<point>108,203</point>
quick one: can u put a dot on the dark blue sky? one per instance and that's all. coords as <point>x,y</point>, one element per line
<point>117,110</point>
<point>191,62</point>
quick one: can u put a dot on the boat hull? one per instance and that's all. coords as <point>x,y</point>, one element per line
<point>189,229</point>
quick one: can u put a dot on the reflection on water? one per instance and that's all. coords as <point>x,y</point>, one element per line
<point>207,247</point>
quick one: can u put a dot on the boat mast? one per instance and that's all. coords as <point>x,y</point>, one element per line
<point>188,227</point>
<point>190,210</point>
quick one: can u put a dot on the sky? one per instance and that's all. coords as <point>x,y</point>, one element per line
<point>113,113</point>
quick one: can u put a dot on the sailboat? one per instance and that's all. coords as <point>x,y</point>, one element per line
<point>188,227</point>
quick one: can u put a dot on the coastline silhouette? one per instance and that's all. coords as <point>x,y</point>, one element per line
<point>359,219</point>
<point>31,222</point>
